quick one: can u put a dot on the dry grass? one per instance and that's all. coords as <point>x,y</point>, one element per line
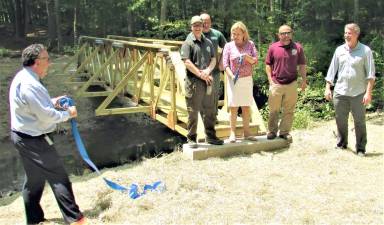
<point>308,183</point>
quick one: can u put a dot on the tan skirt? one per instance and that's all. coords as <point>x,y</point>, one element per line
<point>241,93</point>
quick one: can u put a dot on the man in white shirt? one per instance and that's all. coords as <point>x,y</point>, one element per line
<point>353,63</point>
<point>33,119</point>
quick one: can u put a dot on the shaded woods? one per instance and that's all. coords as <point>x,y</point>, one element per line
<point>318,25</point>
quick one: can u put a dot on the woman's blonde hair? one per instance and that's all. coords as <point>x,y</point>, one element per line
<point>240,25</point>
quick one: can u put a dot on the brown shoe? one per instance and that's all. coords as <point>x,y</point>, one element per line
<point>271,135</point>
<point>82,221</point>
<point>287,137</point>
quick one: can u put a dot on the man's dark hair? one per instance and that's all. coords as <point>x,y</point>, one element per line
<point>31,53</point>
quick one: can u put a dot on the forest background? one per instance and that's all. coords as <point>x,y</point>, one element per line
<point>318,25</point>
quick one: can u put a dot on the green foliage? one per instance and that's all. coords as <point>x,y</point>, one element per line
<point>318,26</point>
<point>302,119</point>
<point>377,95</point>
<point>4,52</point>
<point>70,50</point>
<point>259,76</point>
<point>177,30</point>
<point>375,41</point>
<point>318,52</point>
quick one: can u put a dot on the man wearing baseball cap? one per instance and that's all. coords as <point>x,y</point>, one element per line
<point>199,57</point>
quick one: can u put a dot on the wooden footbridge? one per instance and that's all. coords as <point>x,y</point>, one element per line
<point>147,75</point>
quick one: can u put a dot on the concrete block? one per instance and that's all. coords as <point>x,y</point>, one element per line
<point>241,146</point>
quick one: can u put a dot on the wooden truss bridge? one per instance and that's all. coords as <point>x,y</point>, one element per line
<point>148,76</point>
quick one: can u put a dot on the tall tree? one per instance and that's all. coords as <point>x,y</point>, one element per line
<point>58,25</point>
<point>75,22</point>
<point>356,11</point>
<point>163,11</point>
<point>51,22</point>
<point>19,19</point>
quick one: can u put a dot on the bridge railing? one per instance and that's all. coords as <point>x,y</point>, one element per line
<point>146,74</point>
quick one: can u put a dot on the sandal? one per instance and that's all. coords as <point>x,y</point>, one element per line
<point>250,138</point>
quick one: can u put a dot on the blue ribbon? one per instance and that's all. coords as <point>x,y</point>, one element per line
<point>133,191</point>
<point>237,72</point>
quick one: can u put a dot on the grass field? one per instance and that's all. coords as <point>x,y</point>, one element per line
<point>308,183</point>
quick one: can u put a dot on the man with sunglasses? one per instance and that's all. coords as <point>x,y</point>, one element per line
<point>284,60</point>
<point>34,116</point>
<point>198,55</point>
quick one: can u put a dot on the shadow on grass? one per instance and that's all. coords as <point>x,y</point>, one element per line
<point>367,154</point>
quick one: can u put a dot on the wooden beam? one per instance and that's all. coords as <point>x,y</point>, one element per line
<point>94,93</point>
<point>84,63</point>
<point>96,75</point>
<point>126,44</point>
<point>122,83</point>
<point>75,57</point>
<point>114,111</point>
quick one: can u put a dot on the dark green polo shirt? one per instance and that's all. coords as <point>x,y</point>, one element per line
<point>199,52</point>
<point>216,37</point>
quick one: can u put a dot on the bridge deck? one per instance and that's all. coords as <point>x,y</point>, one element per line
<point>148,75</point>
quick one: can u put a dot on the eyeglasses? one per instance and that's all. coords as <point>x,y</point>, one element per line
<point>285,33</point>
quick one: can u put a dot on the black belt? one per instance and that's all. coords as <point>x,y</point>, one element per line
<point>22,135</point>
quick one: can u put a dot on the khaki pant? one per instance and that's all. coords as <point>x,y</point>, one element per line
<point>282,98</point>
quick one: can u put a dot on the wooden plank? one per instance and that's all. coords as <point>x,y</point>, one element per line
<point>95,93</point>
<point>126,44</point>
<point>74,58</point>
<point>84,63</point>
<point>97,74</point>
<point>79,83</point>
<point>114,111</point>
<point>122,83</point>
<point>146,40</point>
<point>205,151</point>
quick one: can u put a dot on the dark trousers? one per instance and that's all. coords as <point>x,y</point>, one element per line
<point>198,101</point>
<point>42,163</point>
<point>216,88</point>
<point>344,105</point>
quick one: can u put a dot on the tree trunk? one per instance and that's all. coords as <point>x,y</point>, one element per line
<point>356,11</point>
<point>130,23</point>
<point>51,23</point>
<point>9,13</point>
<point>75,17</point>
<point>19,22</point>
<point>258,30</point>
<point>27,13</point>
<point>183,8</point>
<point>58,26</point>
<point>163,11</point>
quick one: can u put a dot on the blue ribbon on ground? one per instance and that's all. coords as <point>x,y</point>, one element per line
<point>237,72</point>
<point>133,191</point>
